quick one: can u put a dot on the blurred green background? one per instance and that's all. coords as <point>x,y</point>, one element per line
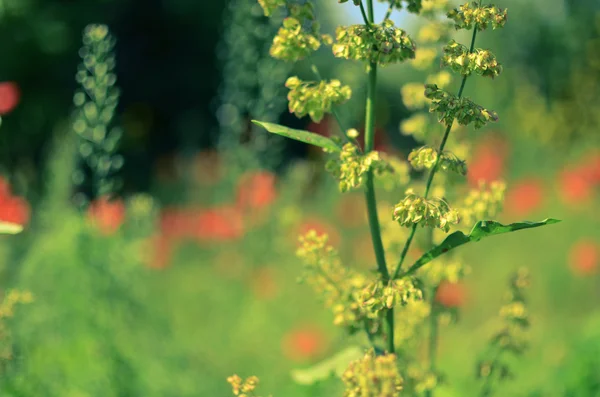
<point>190,275</point>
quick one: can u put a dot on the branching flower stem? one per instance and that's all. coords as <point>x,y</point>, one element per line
<point>435,166</point>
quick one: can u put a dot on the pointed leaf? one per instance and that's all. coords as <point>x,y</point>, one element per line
<point>480,230</point>
<point>334,365</point>
<point>10,228</point>
<point>300,135</point>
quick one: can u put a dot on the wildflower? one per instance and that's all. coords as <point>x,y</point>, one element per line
<point>487,163</point>
<point>472,14</point>
<point>351,167</point>
<point>269,6</point>
<point>219,224</point>
<point>108,215</point>
<point>292,43</point>
<point>321,228</point>
<point>304,343</point>
<point>256,190</point>
<point>463,110</point>
<point>485,202</point>
<point>418,210</point>
<point>241,387</point>
<point>10,95</point>
<point>584,257</point>
<point>525,196</point>
<point>461,60</point>
<point>378,296</point>
<point>576,185</point>
<point>413,6</point>
<point>382,44</point>
<point>450,294</point>
<point>426,157</point>
<point>373,376</point>
<point>14,209</point>
<point>315,98</point>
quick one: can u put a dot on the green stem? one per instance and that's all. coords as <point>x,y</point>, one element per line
<point>435,166</point>
<point>364,14</point>
<point>370,191</point>
<point>389,11</point>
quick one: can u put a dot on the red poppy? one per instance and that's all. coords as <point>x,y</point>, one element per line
<point>524,196</point>
<point>108,215</point>
<point>10,95</point>
<point>256,190</point>
<point>575,185</point>
<point>14,209</point>
<point>451,294</point>
<point>591,167</point>
<point>304,343</point>
<point>220,224</point>
<point>321,227</point>
<point>584,257</point>
<point>487,163</point>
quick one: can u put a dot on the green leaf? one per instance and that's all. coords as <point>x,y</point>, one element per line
<point>300,135</point>
<point>334,365</point>
<point>10,228</point>
<point>480,230</point>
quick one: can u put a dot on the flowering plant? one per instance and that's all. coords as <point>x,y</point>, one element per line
<point>392,306</point>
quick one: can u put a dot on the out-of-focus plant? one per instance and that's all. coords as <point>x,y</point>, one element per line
<point>371,303</point>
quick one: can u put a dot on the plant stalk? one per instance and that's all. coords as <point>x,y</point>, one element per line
<point>435,166</point>
<point>433,339</point>
<point>370,190</point>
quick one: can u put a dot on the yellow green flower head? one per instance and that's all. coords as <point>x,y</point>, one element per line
<point>351,167</point>
<point>413,6</point>
<point>424,58</point>
<point>484,202</point>
<point>443,269</point>
<point>243,387</point>
<point>373,376</point>
<point>379,296</point>
<point>315,98</point>
<point>426,157</point>
<point>433,7</point>
<point>463,110</point>
<point>471,14</point>
<point>482,62</point>
<point>269,6</point>
<point>417,210</point>
<point>412,95</point>
<point>433,32</point>
<point>383,44</point>
<point>292,43</point>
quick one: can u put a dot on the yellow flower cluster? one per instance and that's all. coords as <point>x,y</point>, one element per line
<point>397,173</point>
<point>443,269</point>
<point>243,387</point>
<point>338,286</point>
<point>426,157</point>
<point>413,6</point>
<point>351,167</point>
<point>409,318</point>
<point>292,43</point>
<point>472,14</point>
<point>269,6</point>
<point>373,376</point>
<point>379,296</point>
<point>382,44</point>
<point>417,210</point>
<point>482,62</point>
<point>315,98</point>
<point>463,110</point>
<point>484,202</point>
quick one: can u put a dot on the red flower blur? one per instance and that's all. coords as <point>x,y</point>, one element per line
<point>575,185</point>
<point>108,215</point>
<point>451,294</point>
<point>584,256</point>
<point>256,190</point>
<point>524,197</point>
<point>304,343</point>
<point>10,95</point>
<point>13,209</point>
<point>178,223</point>
<point>487,163</point>
<point>219,224</point>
